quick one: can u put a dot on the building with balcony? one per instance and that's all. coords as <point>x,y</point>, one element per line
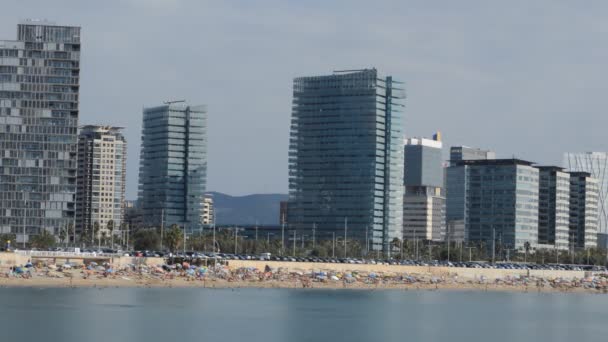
<point>100,192</point>
<point>39,94</point>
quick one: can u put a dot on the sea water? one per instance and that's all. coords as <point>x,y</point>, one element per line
<point>285,315</point>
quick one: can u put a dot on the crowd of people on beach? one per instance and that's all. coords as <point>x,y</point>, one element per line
<point>282,277</point>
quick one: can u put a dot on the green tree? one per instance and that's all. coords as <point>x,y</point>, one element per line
<point>145,239</point>
<point>395,246</point>
<point>43,240</point>
<point>173,238</point>
<point>5,238</point>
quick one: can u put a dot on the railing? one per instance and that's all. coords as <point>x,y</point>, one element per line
<point>51,254</point>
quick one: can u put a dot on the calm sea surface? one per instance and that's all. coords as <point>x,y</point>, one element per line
<point>269,315</point>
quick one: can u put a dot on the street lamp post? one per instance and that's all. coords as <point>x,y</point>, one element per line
<point>294,243</point>
<point>24,217</point>
<point>283,235</point>
<point>162,227</point>
<point>236,233</point>
<point>333,247</point>
<point>448,238</point>
<point>470,254</point>
<point>214,232</point>
<point>314,228</point>
<point>493,245</point>
<point>345,230</point>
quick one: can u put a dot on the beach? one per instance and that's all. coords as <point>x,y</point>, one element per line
<point>321,276</point>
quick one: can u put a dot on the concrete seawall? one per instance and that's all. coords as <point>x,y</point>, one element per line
<point>14,259</point>
<point>471,273</point>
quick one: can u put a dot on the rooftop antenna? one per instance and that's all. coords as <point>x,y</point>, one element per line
<point>174,101</point>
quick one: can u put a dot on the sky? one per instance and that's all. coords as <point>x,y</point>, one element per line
<point>523,78</point>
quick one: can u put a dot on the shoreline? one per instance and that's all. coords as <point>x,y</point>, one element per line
<point>106,283</point>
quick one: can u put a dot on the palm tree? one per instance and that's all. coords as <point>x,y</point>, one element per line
<point>96,234</point>
<point>110,227</point>
<point>73,230</point>
<point>173,237</point>
<point>395,244</point>
<point>62,234</point>
<point>43,240</point>
<point>526,249</point>
<point>123,233</point>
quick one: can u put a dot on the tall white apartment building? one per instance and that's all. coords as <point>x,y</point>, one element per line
<point>100,195</point>
<point>207,211</point>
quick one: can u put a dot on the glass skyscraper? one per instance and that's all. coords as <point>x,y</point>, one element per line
<point>495,199</point>
<point>553,206</point>
<point>595,163</point>
<point>39,86</point>
<point>584,190</point>
<point>346,156</point>
<point>173,165</point>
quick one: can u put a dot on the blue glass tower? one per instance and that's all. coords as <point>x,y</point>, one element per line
<point>173,165</point>
<point>39,94</point>
<point>346,156</point>
<point>495,200</point>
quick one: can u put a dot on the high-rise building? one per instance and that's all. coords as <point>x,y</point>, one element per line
<point>100,191</point>
<point>423,162</point>
<point>423,202</point>
<point>173,165</point>
<point>553,206</point>
<point>602,241</point>
<point>584,202</point>
<point>458,153</point>
<point>496,200</point>
<point>207,211</point>
<point>39,86</point>
<point>595,163</point>
<point>346,156</point>
<point>133,218</point>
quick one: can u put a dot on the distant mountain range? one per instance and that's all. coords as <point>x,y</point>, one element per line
<point>261,208</point>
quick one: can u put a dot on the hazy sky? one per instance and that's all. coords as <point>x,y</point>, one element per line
<point>525,78</point>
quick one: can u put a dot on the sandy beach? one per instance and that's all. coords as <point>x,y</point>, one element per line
<point>225,277</point>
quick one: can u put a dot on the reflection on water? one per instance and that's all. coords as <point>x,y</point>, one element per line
<point>269,315</point>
